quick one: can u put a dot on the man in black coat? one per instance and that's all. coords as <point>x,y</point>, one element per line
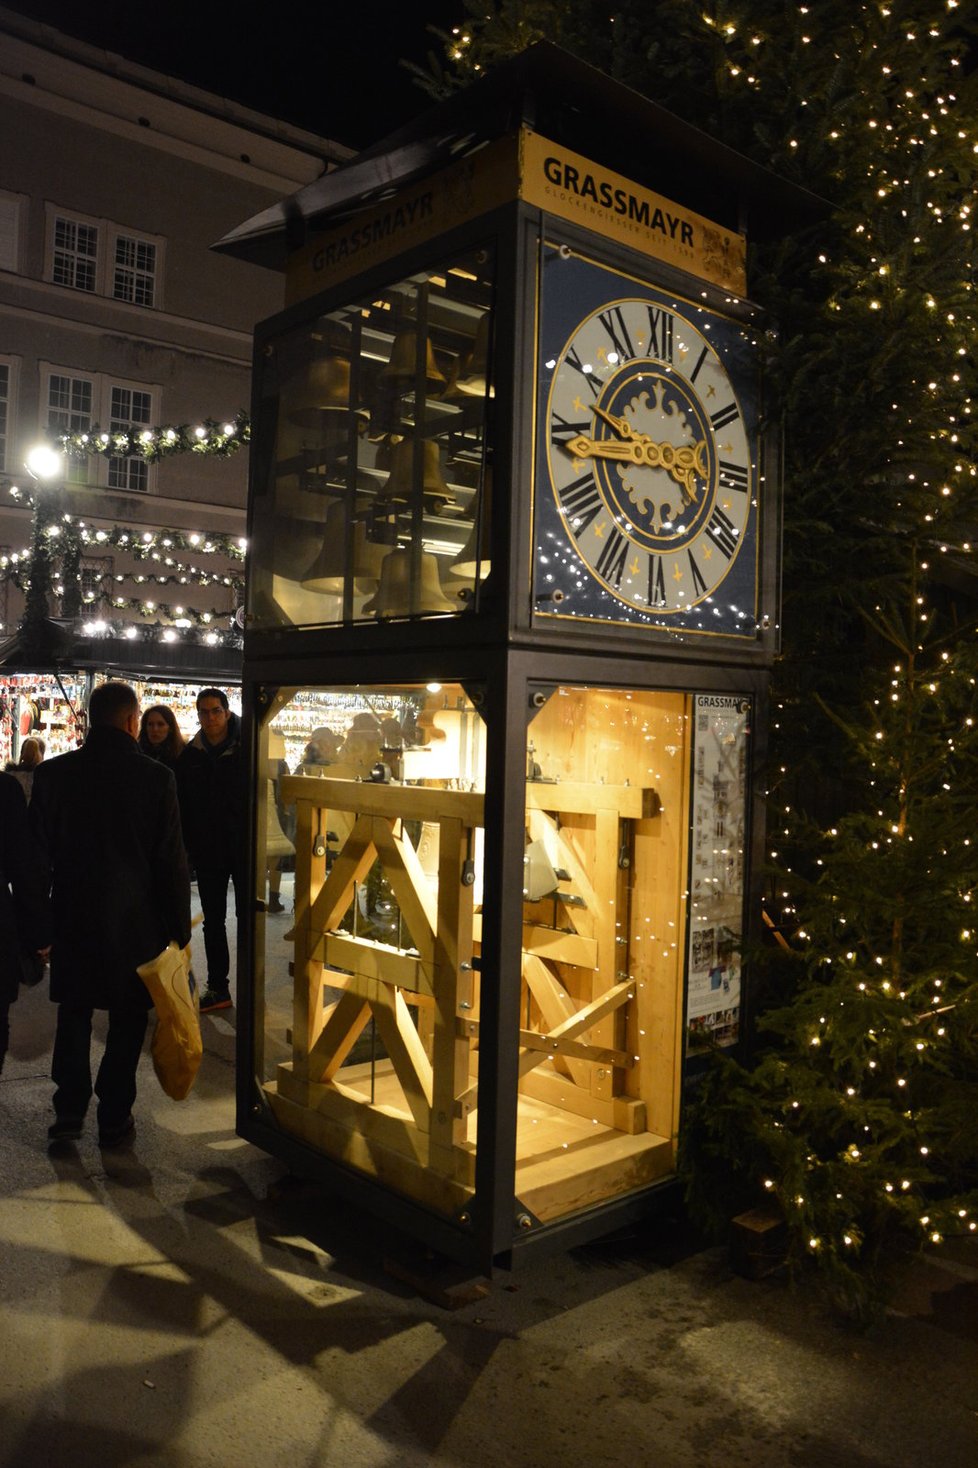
<point>25,915</point>
<point>109,822</point>
<point>211,783</point>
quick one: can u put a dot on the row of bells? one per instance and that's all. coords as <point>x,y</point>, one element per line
<point>386,571</point>
<point>326,381</point>
<point>399,485</point>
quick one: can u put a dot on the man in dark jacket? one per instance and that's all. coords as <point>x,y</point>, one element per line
<point>25,916</point>
<point>211,783</point>
<point>107,818</point>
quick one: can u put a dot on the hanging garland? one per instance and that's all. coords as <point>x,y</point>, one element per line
<point>153,444</point>
<point>147,544</point>
<point>189,627</point>
<point>72,536</point>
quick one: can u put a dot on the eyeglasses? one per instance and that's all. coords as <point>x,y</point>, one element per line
<point>211,711</point>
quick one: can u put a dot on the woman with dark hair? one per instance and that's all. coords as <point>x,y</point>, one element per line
<point>159,735</point>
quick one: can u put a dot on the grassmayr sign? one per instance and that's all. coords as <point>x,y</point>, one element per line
<point>583,193</point>
<point>543,174</point>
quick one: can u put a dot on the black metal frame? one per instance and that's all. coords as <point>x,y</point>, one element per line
<point>500,647</point>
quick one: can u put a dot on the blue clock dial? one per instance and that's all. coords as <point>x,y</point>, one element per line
<point>649,504</point>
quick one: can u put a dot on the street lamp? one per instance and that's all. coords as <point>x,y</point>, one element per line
<point>46,466</point>
<point>44,463</point>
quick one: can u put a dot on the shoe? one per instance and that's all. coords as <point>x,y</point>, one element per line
<point>275,903</point>
<point>114,1136</point>
<point>65,1129</point>
<point>209,1001</point>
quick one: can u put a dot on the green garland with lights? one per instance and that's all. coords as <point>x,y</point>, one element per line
<point>210,436</point>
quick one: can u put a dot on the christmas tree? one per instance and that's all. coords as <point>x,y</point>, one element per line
<point>857,1117</point>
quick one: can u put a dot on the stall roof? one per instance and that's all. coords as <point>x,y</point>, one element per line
<point>54,646</point>
<point>561,97</point>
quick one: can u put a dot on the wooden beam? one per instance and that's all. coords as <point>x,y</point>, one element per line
<point>556,946</point>
<point>377,961</point>
<point>354,861</point>
<point>574,797</point>
<point>606,1004</point>
<point>412,892</point>
<point>403,1044</point>
<point>557,1008</point>
<point>578,1049</point>
<point>453,947</point>
<point>341,1029</point>
<point>393,802</point>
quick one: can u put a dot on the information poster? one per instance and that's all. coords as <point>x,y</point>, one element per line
<point>721,733</point>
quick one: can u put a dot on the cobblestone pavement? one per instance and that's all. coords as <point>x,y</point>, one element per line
<point>175,1304</point>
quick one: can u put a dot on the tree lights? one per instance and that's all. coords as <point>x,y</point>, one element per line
<point>859,1115</point>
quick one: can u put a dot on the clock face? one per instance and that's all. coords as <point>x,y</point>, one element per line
<point>646,497</point>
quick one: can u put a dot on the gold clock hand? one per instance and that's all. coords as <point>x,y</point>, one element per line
<point>683,463</point>
<point>620,425</point>
<point>605,448</point>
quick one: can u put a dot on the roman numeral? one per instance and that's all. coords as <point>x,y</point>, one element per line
<point>722,532</point>
<point>660,332</point>
<point>657,582</point>
<point>699,363</point>
<point>614,324</point>
<point>732,476</point>
<point>561,431</point>
<point>581,501</point>
<point>723,416</point>
<point>611,562</point>
<point>573,360</point>
<point>699,585</point>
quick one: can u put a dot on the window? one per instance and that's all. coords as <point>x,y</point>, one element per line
<point>75,404</point>
<point>95,574</point>
<point>135,271</point>
<point>70,411</point>
<point>101,258</point>
<point>130,409</point>
<point>75,254</point>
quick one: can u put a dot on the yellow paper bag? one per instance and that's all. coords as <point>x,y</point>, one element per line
<point>176,1046</point>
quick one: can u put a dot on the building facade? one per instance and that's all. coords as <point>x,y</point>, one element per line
<point>116,314</point>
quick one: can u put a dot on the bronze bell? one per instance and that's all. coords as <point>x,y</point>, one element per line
<point>325,388</point>
<point>328,571</point>
<point>471,381</point>
<point>393,596</point>
<point>400,482</point>
<point>473,559</point>
<point>403,362</point>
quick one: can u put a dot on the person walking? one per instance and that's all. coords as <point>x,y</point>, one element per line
<point>25,916</point>
<point>109,824</point>
<point>211,784</point>
<point>159,735</point>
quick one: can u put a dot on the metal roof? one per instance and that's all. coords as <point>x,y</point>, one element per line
<point>560,97</point>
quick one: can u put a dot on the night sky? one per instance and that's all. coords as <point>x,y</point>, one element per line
<point>329,67</point>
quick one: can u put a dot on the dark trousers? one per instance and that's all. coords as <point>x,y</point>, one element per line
<point>71,1067</point>
<point>212,889</point>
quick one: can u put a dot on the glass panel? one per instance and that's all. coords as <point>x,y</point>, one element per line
<point>604,918</point>
<point>372,458</point>
<point>719,805</point>
<point>369,858</point>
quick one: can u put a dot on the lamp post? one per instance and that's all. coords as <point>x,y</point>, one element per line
<point>46,466</point>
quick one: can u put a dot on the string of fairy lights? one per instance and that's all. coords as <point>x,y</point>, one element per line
<point>66,537</point>
<point>886,1037</point>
